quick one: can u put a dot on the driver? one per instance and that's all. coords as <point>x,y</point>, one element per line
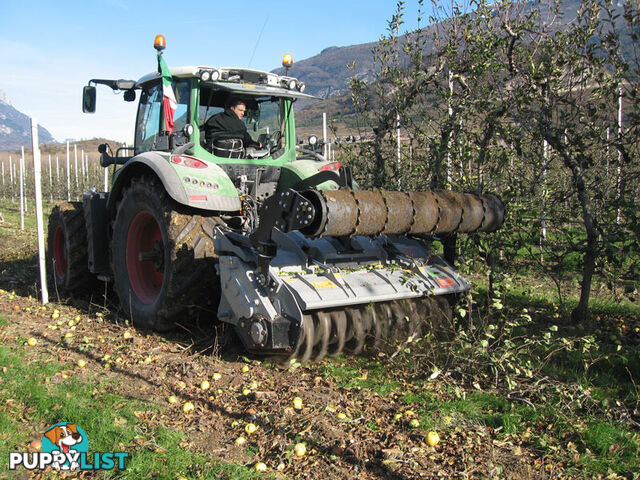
<point>229,122</point>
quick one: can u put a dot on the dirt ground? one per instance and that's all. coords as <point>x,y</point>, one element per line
<point>350,432</point>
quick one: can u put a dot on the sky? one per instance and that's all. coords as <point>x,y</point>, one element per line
<point>50,49</point>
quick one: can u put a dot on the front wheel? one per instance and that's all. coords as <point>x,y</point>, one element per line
<point>162,259</point>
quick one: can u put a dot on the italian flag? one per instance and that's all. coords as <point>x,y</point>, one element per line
<point>169,102</point>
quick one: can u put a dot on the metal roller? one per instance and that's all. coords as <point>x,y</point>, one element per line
<point>494,212</point>
<point>372,212</point>
<point>340,213</point>
<point>425,212</point>
<point>399,212</point>
<point>449,211</point>
<point>472,213</point>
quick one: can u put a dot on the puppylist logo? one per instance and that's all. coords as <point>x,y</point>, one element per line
<point>65,446</point>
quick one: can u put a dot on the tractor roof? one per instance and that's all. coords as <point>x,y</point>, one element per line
<point>239,80</point>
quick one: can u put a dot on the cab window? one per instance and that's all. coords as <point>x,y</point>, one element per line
<point>149,117</point>
<point>150,120</point>
<point>182,90</point>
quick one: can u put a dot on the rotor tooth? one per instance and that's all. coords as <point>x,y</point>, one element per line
<point>349,331</point>
<point>356,343</point>
<point>338,332</point>
<point>415,317</point>
<point>383,316</point>
<point>399,321</point>
<point>373,325</point>
<point>323,333</point>
<point>307,340</point>
<point>317,329</point>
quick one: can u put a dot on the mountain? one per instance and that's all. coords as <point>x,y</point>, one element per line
<point>15,128</point>
<point>327,74</point>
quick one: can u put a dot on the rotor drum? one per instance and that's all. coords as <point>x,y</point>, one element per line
<point>341,213</point>
<point>449,211</point>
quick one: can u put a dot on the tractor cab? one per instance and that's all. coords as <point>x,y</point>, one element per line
<point>200,94</point>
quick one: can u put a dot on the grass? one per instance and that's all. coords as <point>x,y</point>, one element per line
<point>110,420</point>
<point>362,373</point>
<point>11,213</point>
<point>571,410</point>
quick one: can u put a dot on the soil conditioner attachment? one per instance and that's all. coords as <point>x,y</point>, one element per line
<point>271,237</point>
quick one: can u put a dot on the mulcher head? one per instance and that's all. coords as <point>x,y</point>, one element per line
<point>337,270</point>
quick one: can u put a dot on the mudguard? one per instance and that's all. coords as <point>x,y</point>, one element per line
<point>206,189</point>
<point>305,174</point>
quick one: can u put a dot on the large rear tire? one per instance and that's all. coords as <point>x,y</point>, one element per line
<point>67,249</point>
<point>162,259</point>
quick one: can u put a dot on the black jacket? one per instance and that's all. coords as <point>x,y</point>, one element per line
<point>227,125</point>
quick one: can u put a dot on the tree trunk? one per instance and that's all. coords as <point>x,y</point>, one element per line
<point>580,314</point>
<point>379,175</point>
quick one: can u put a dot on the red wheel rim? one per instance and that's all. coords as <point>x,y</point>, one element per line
<point>59,254</point>
<point>145,276</point>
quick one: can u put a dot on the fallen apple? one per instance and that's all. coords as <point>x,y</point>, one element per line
<point>82,363</point>
<point>32,342</point>
<point>240,441</point>
<point>245,368</point>
<point>297,403</point>
<point>300,449</point>
<point>205,385</point>
<point>173,399</point>
<point>187,407</point>
<point>217,376</point>
<point>433,438</point>
<point>260,467</point>
<point>250,428</point>
<point>414,423</point>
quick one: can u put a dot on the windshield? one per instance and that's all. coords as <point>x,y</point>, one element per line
<point>263,118</point>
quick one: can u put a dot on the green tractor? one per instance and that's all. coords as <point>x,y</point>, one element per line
<point>275,239</point>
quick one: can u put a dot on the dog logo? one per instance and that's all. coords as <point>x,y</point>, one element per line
<point>65,447</point>
<point>67,439</point>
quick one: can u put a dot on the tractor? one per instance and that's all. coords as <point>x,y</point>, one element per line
<point>275,239</point>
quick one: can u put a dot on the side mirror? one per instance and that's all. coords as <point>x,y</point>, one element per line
<point>129,95</point>
<point>89,99</point>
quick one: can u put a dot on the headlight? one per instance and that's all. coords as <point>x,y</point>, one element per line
<point>215,75</point>
<point>205,75</point>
